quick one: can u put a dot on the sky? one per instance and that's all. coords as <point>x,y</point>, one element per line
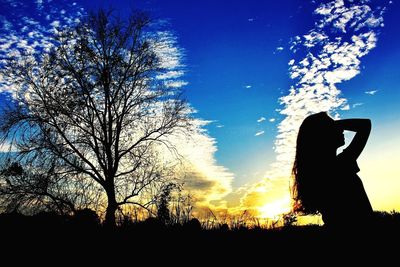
<point>253,70</point>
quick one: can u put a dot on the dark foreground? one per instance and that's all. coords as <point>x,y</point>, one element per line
<point>39,239</point>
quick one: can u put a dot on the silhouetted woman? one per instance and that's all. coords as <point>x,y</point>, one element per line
<point>328,183</point>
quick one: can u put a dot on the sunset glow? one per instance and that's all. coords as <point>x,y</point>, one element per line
<point>251,71</point>
<point>275,209</point>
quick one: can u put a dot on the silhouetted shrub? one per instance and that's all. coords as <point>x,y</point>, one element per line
<point>192,225</point>
<point>13,220</point>
<point>86,218</point>
<point>152,224</point>
<point>224,227</point>
<point>47,220</point>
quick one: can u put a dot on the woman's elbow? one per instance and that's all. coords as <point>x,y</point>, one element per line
<point>367,124</point>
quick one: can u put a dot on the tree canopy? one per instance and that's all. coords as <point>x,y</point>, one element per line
<point>90,113</point>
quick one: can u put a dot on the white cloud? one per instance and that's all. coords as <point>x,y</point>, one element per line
<point>247,86</point>
<point>220,126</point>
<point>261,119</point>
<point>22,32</point>
<point>332,53</point>
<point>175,84</point>
<point>333,60</point>
<point>345,107</point>
<point>169,53</point>
<point>295,41</point>
<point>357,105</point>
<point>271,120</point>
<point>339,75</point>
<point>173,74</point>
<point>372,92</point>
<point>279,48</point>
<point>313,38</point>
<point>55,23</point>
<point>39,4</point>
<point>259,133</point>
<point>208,181</point>
<point>7,147</point>
<point>29,22</point>
<point>250,19</point>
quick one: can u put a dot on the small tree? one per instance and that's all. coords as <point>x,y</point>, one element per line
<point>182,207</point>
<point>95,108</point>
<point>163,201</point>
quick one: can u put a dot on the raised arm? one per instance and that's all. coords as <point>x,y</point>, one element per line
<point>362,127</point>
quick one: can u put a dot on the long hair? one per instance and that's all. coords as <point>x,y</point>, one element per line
<point>313,146</point>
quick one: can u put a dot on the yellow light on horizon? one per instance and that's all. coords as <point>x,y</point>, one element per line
<point>275,209</point>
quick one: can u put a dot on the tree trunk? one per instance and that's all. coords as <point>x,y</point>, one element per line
<point>110,222</point>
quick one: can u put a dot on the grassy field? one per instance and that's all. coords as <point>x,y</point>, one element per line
<point>47,233</point>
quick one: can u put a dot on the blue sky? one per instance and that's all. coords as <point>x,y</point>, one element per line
<point>234,71</point>
<point>233,44</point>
<point>236,57</point>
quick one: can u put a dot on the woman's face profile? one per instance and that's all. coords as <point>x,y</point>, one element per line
<point>338,136</point>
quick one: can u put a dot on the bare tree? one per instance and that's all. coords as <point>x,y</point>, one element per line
<point>95,106</point>
<point>29,190</point>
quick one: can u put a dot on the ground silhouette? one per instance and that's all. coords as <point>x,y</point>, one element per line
<point>83,235</point>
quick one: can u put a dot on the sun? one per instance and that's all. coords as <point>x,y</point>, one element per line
<point>274,209</point>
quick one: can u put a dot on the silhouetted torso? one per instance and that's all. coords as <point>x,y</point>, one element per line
<point>345,200</point>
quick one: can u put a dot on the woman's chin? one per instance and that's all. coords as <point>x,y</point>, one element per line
<point>340,144</point>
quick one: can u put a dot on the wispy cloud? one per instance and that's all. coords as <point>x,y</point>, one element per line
<point>345,107</point>
<point>372,92</point>
<point>167,50</point>
<point>333,50</point>
<point>39,4</point>
<point>171,78</point>
<point>279,48</point>
<point>327,55</point>
<point>173,74</point>
<point>7,147</point>
<point>204,178</point>
<point>175,84</point>
<point>55,23</point>
<point>22,32</point>
<point>313,38</point>
<point>247,86</point>
<point>259,133</point>
<point>261,119</point>
<point>357,105</point>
